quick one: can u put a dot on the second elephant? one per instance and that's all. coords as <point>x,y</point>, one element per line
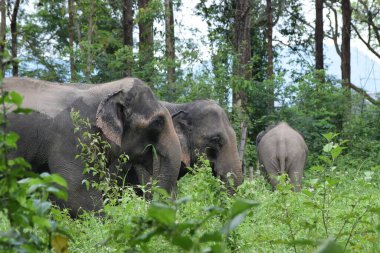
<point>281,149</point>
<point>203,127</point>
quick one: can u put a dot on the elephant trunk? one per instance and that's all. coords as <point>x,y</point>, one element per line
<point>166,166</point>
<point>229,166</point>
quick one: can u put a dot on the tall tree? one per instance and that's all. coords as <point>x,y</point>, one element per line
<point>70,9</point>
<point>90,33</point>
<point>14,34</point>
<point>319,35</point>
<point>146,43</point>
<point>242,35</point>
<point>243,47</point>
<point>128,31</point>
<point>345,46</point>
<point>3,27</point>
<point>170,45</point>
<point>270,72</point>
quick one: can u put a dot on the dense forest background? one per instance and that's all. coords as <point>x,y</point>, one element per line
<point>264,62</point>
<point>244,69</point>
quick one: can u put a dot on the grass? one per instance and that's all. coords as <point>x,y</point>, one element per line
<point>339,206</point>
<point>283,222</point>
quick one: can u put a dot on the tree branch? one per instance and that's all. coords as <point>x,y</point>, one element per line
<point>364,94</point>
<point>367,43</point>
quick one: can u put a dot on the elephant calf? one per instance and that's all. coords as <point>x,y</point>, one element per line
<point>202,126</point>
<point>125,112</point>
<point>281,149</point>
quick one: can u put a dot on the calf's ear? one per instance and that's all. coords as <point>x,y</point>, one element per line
<point>111,115</point>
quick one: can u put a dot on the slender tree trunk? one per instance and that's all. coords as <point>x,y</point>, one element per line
<point>14,37</point>
<point>146,45</point>
<point>170,45</point>
<point>70,8</point>
<point>89,40</point>
<point>319,65</point>
<point>242,47</point>
<point>242,65</point>
<point>3,25</point>
<point>128,31</point>
<point>345,48</point>
<point>270,72</point>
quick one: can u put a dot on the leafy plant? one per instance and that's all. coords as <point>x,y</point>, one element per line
<point>93,151</point>
<point>24,194</point>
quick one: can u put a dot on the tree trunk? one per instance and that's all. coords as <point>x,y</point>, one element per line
<point>242,68</point>
<point>345,48</point>
<point>128,31</point>
<point>14,37</point>
<point>170,46</point>
<point>89,41</point>
<point>70,9</point>
<point>242,47</point>
<point>270,72</point>
<point>146,44</point>
<point>319,65</point>
<point>3,25</point>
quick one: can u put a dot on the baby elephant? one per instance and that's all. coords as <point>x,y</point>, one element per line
<point>281,149</point>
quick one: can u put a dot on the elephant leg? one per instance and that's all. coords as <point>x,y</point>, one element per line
<point>295,175</point>
<point>271,167</point>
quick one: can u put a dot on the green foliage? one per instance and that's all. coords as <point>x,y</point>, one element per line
<point>327,209</point>
<point>94,152</point>
<point>314,108</point>
<point>24,210</point>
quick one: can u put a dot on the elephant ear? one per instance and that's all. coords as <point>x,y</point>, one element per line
<point>182,125</point>
<point>111,115</point>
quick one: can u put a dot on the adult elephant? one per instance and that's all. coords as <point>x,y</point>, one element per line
<point>202,126</point>
<point>281,149</point>
<point>125,112</point>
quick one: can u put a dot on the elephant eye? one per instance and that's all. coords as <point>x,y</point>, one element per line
<point>155,128</point>
<point>157,123</point>
<point>216,141</point>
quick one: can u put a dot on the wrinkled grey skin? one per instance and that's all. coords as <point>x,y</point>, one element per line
<point>203,127</point>
<point>125,112</point>
<point>281,149</point>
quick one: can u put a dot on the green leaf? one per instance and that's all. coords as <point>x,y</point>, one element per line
<point>242,205</point>
<point>11,139</point>
<point>184,242</point>
<point>162,213</point>
<point>234,222</point>
<point>59,193</point>
<point>329,246</point>
<point>215,236</point>
<point>42,207</point>
<point>15,98</point>
<point>336,152</point>
<point>56,178</point>
<point>328,147</point>
<point>217,248</point>
<point>22,110</point>
<point>41,222</point>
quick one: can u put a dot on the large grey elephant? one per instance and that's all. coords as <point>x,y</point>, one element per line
<point>125,112</point>
<point>202,126</point>
<point>281,149</point>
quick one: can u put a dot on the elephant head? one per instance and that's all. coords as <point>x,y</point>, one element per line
<point>203,127</point>
<point>134,120</point>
